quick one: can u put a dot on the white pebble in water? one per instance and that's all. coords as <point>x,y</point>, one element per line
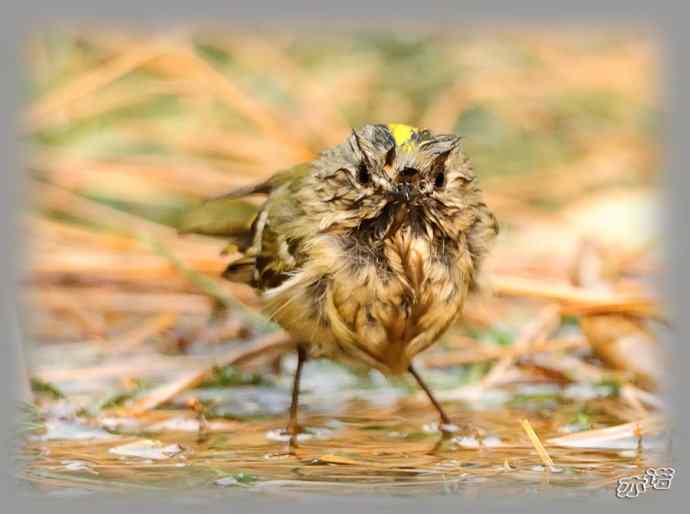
<point>226,481</point>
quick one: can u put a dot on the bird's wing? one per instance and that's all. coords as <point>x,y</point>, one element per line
<point>227,215</point>
<point>273,253</point>
<point>252,230</point>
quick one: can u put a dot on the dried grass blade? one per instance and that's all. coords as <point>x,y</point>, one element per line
<point>598,437</point>
<point>89,82</point>
<point>534,438</point>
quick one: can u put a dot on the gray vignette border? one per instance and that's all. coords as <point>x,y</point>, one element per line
<point>670,22</point>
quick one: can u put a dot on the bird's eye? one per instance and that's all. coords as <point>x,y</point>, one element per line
<point>363,175</point>
<point>440,179</point>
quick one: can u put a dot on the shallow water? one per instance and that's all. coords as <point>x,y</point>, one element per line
<point>366,435</point>
<point>356,448</point>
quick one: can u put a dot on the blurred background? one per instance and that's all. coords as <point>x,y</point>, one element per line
<point>128,325</point>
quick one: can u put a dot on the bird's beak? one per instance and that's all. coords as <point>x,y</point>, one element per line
<point>404,192</point>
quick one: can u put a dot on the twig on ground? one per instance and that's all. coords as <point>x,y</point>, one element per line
<point>454,358</point>
<point>275,342</point>
<point>538,329</point>
<point>134,338</point>
<point>576,299</point>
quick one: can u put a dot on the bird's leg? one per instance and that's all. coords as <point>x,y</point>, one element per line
<point>293,428</point>
<point>445,420</point>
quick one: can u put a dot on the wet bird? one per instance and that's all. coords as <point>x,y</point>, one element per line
<point>365,254</point>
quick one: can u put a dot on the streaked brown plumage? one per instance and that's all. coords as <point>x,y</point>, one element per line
<point>366,254</point>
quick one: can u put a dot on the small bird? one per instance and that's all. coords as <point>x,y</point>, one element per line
<point>366,254</point>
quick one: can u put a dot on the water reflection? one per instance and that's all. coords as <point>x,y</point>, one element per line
<point>360,447</point>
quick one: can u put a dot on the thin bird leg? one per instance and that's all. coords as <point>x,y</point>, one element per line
<point>293,427</point>
<point>445,420</point>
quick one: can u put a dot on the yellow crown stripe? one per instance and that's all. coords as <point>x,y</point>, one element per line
<point>401,133</point>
